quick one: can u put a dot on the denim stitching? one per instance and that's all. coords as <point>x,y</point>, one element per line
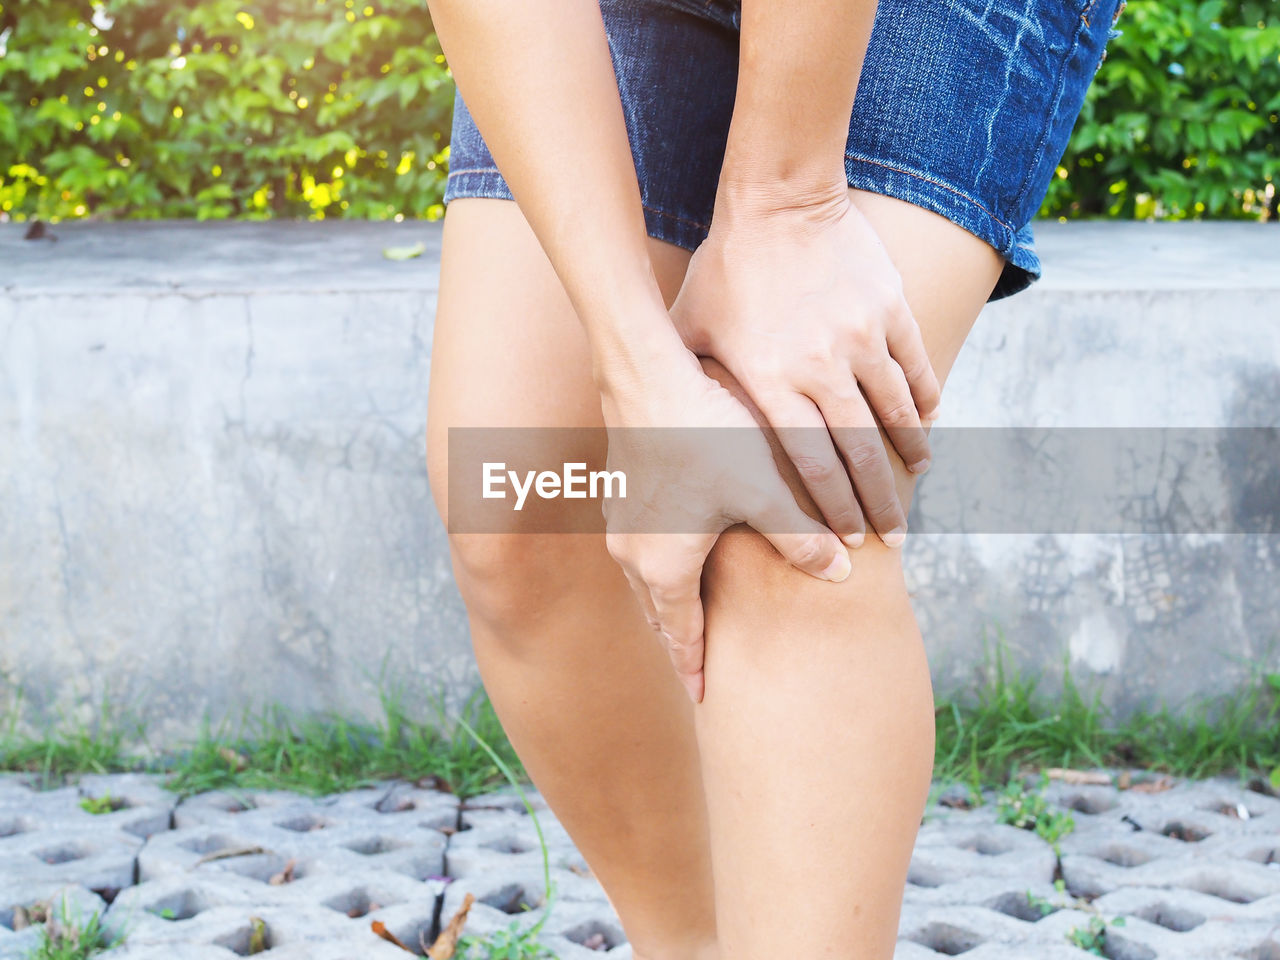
<point>1060,84</point>
<point>458,173</point>
<point>939,183</point>
<point>664,213</point>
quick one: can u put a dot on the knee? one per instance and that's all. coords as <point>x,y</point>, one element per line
<point>508,579</point>
<point>511,568</point>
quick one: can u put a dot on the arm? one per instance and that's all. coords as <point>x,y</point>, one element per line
<point>538,79</point>
<point>790,262</point>
<point>798,72</point>
<point>538,72</point>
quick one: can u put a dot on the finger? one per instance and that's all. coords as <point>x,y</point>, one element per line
<point>645,601</point>
<point>868,463</point>
<point>678,604</point>
<point>906,344</point>
<point>804,542</point>
<point>885,385</point>
<point>802,432</point>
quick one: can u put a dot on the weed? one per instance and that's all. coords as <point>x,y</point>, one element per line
<point>512,942</point>
<point>1031,810</point>
<point>96,747</point>
<point>99,805</point>
<point>64,937</point>
<point>1042,905</point>
<point>509,943</point>
<point>1092,938</point>
<point>981,740</point>
<point>1008,723</point>
<point>328,754</point>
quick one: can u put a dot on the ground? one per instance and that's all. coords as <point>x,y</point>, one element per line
<point>1192,867</point>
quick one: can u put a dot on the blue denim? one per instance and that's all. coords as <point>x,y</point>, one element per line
<point>964,107</point>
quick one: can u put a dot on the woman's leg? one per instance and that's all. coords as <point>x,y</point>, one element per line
<point>816,730</point>
<point>583,688</point>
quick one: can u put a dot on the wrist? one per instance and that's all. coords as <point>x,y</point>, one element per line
<point>627,351</point>
<point>747,191</point>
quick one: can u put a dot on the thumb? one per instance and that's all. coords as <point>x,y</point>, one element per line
<point>806,544</point>
<point>681,618</point>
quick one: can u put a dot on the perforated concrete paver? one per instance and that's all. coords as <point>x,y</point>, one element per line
<point>1194,870</point>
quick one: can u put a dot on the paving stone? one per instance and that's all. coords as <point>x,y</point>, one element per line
<point>258,835</point>
<point>70,901</point>
<point>48,839</point>
<point>1194,870</point>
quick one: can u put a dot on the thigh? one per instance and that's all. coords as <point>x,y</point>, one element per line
<point>508,348</point>
<point>947,275</point>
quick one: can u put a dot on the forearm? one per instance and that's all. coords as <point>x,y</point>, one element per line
<point>538,79</point>
<point>798,72</point>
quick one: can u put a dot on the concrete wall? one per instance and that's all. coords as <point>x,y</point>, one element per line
<point>213,494</point>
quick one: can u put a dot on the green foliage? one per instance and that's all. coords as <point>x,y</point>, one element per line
<point>96,747</point>
<point>315,108</point>
<point>274,749</point>
<point>513,942</point>
<point>223,108</point>
<point>319,755</point>
<point>1183,118</point>
<point>1092,938</point>
<point>100,805</point>
<point>509,943</point>
<point>1008,723</point>
<point>983,739</point>
<point>66,937</point>
<point>1031,810</point>
<point>1042,905</point>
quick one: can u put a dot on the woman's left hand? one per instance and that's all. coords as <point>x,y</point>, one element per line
<point>801,303</point>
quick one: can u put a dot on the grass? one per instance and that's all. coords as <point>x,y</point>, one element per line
<point>65,937</point>
<point>515,941</point>
<point>97,747</point>
<point>276,750</point>
<point>328,754</point>
<point>1008,725</point>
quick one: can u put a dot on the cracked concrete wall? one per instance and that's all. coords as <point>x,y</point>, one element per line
<point>213,492</point>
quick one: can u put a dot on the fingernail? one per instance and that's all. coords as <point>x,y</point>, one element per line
<point>920,466</point>
<point>854,540</point>
<point>693,686</point>
<point>895,537</point>
<point>839,568</point>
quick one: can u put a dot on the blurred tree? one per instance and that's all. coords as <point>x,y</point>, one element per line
<point>1182,119</point>
<point>315,108</point>
<point>223,108</point>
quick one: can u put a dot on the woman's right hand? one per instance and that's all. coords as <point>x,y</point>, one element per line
<point>696,462</point>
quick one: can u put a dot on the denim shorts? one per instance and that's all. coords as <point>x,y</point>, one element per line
<point>964,107</point>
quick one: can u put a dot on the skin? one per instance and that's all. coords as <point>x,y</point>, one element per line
<point>772,811</point>
<point>725,830</point>
<point>783,167</point>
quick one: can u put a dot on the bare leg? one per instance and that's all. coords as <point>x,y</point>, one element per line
<point>584,690</point>
<point>816,731</point>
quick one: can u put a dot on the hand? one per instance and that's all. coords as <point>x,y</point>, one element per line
<point>802,304</point>
<point>696,462</point>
